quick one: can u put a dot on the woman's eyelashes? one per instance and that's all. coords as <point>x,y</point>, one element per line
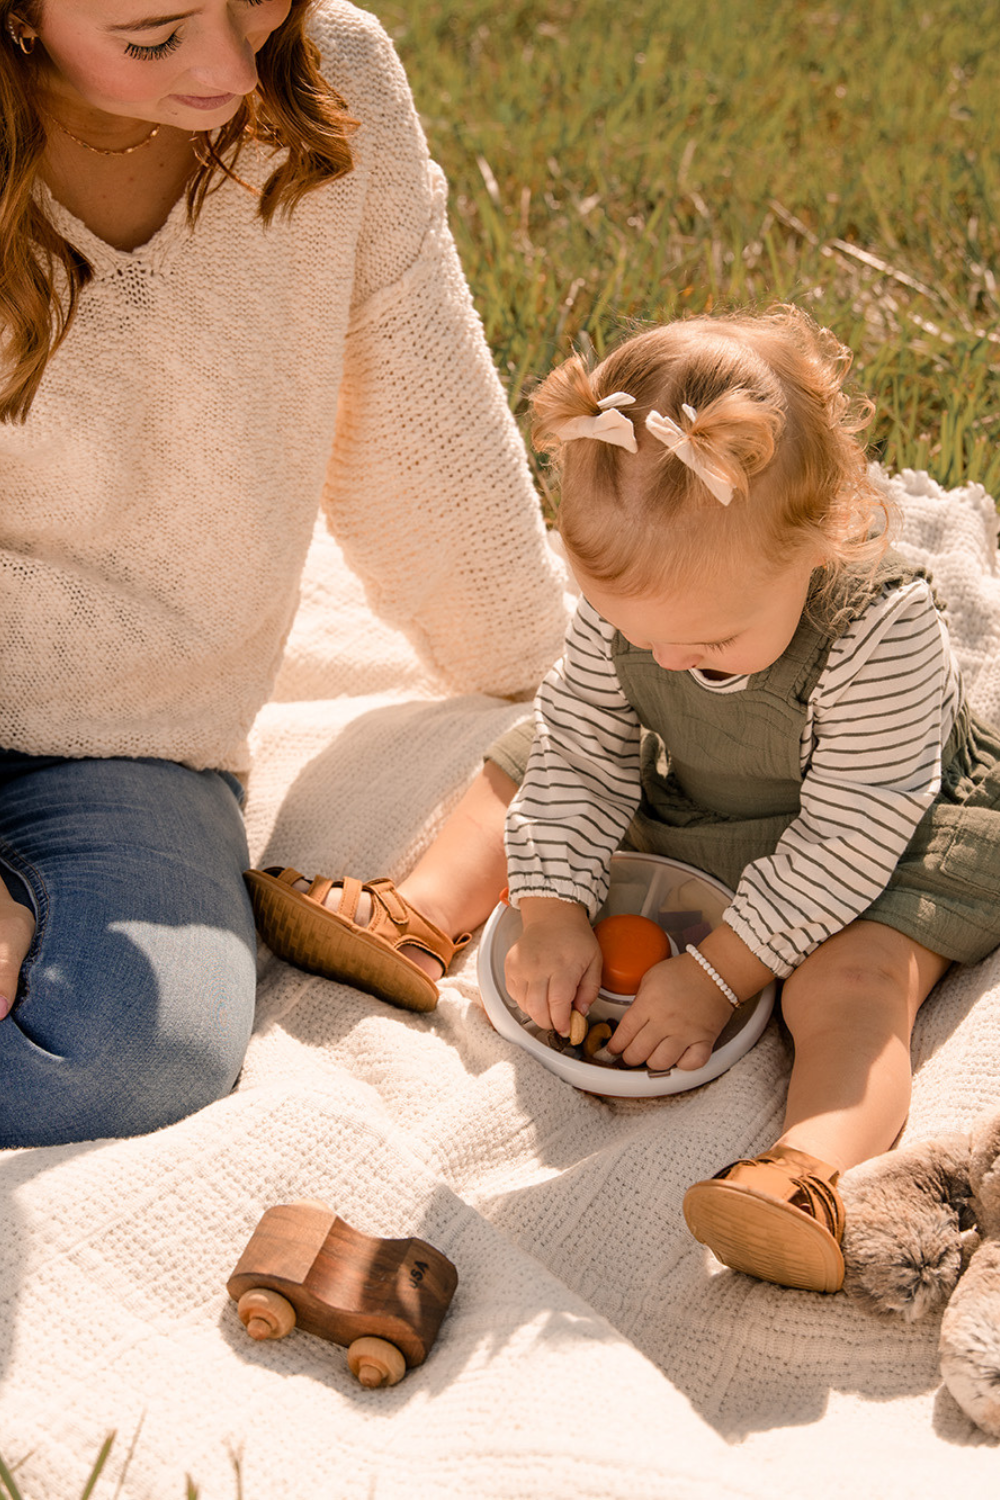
<point>160,49</point>
<point>146,54</point>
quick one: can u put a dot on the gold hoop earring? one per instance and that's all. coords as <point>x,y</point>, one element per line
<point>26,44</point>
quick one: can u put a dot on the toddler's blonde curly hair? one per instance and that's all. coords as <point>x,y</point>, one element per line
<point>772,417</point>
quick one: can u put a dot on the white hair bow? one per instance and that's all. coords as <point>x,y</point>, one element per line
<point>673,436</point>
<point>612,426</point>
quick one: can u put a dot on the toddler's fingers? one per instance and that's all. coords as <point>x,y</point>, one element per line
<point>535,1000</point>
<point>562,993</point>
<point>635,1048</point>
<point>515,989</point>
<point>626,1031</point>
<point>583,998</point>
<point>695,1056</point>
<point>516,977</point>
<point>586,990</point>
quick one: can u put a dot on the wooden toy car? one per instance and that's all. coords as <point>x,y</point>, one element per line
<point>384,1300</point>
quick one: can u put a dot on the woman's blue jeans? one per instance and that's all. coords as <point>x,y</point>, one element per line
<point>136,999</point>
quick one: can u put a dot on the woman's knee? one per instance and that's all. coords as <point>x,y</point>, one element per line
<point>159,1086</point>
<point>147,1027</point>
<point>129,1083</point>
<point>136,1000</point>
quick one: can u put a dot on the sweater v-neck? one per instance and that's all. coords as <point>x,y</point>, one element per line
<point>106,259</point>
<point>153,254</point>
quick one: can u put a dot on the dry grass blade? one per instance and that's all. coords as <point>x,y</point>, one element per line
<point>878,264</point>
<point>102,1459</point>
<point>9,1489</point>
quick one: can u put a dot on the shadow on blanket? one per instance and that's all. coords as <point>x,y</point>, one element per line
<point>365,774</point>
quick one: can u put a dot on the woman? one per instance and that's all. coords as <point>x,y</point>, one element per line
<point>228,295</point>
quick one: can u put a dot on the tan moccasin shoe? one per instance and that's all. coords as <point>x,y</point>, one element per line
<point>777,1216</point>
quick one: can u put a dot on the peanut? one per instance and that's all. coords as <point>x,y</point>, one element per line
<point>597,1036</point>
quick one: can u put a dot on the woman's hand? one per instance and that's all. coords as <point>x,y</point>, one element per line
<point>674,1019</point>
<point>555,963</point>
<point>17,928</point>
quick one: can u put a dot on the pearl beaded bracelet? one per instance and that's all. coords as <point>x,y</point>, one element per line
<point>713,974</point>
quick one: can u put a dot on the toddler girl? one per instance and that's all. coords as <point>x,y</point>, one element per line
<point>755,685</point>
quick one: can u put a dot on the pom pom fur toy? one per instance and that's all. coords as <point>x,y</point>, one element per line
<point>923,1234</point>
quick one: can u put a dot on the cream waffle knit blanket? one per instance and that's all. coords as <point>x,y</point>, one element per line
<point>593,1348</point>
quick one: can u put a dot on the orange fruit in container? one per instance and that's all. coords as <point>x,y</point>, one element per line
<point>629,946</point>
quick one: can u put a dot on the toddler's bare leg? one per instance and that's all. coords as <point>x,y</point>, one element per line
<point>457,882</point>
<point>850,1007</point>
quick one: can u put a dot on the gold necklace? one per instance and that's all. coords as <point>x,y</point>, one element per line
<point>100,150</point>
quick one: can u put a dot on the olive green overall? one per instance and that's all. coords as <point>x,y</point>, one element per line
<point>721,781</point>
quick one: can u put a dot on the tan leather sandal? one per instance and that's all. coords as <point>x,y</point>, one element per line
<point>297,927</point>
<point>777,1216</point>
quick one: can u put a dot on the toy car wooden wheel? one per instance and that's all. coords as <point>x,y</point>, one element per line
<point>266,1314</point>
<point>376,1362</point>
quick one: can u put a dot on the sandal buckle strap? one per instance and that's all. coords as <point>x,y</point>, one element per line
<point>350,892</point>
<point>320,889</point>
<point>394,923</point>
<point>796,1178</point>
<point>383,891</point>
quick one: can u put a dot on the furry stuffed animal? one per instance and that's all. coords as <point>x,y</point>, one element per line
<point>923,1233</point>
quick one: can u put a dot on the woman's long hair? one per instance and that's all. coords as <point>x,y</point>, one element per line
<point>42,274</point>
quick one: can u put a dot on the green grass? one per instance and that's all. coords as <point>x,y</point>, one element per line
<point>612,163</point>
<point>10,1489</point>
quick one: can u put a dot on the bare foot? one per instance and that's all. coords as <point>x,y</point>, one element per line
<point>431,966</point>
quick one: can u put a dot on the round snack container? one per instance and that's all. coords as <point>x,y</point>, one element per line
<point>686,904</point>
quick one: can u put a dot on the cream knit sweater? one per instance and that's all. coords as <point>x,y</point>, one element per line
<point>216,388</point>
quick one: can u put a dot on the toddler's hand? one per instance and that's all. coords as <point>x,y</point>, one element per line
<point>555,963</point>
<point>17,928</point>
<point>674,1019</point>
